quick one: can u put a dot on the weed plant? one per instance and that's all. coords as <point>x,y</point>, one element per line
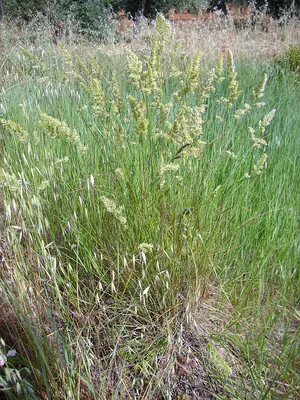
<point>149,225</point>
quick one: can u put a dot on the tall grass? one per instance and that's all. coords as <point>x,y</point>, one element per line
<point>150,222</point>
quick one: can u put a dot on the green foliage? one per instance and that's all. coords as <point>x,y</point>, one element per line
<point>24,10</point>
<point>152,7</point>
<point>278,7</point>
<point>290,60</point>
<point>91,16</point>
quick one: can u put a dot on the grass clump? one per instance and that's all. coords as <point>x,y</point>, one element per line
<point>149,225</point>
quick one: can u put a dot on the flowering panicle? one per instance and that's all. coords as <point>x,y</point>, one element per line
<point>162,36</point>
<point>68,58</point>
<point>259,92</point>
<point>117,103</point>
<point>134,69</point>
<point>224,100</point>
<point>186,133</point>
<point>15,129</point>
<point>263,124</point>
<point>90,79</point>
<point>147,76</point>
<point>36,63</point>
<point>112,208</point>
<point>92,85</point>
<point>219,362</point>
<point>83,67</point>
<point>196,120</point>
<point>97,96</point>
<point>260,165</point>
<point>179,131</point>
<point>59,129</point>
<point>162,31</point>
<point>233,84</point>
<point>93,88</point>
<point>61,160</point>
<point>175,46</point>
<point>193,73</point>
<point>175,72</point>
<point>191,79</point>
<point>96,70</point>
<point>196,149</point>
<point>208,87</point>
<point>162,109</point>
<point>257,141</point>
<point>219,70</point>
<point>139,111</point>
<point>242,111</point>
<point>152,77</point>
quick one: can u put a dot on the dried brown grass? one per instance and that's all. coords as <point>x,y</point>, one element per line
<point>259,37</point>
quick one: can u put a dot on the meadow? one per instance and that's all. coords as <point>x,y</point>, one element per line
<point>150,216</point>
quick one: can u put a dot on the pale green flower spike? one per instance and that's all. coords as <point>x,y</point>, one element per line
<point>112,208</point>
<point>15,129</point>
<point>97,96</point>
<point>219,69</point>
<point>263,124</point>
<point>259,92</point>
<point>134,68</point>
<point>242,111</point>
<point>35,61</point>
<point>208,88</point>
<point>260,165</point>
<point>233,84</point>
<point>139,113</point>
<point>59,129</point>
<point>258,142</point>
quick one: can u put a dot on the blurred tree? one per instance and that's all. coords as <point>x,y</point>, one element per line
<point>150,8</point>
<point>22,9</point>
<point>217,5</point>
<point>1,11</point>
<point>90,14</point>
<point>277,7</point>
